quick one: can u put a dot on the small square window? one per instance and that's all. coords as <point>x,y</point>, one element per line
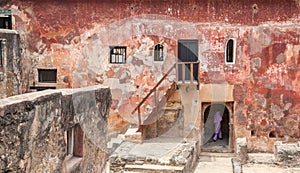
<point>5,19</point>
<point>159,52</point>
<point>47,75</point>
<point>118,55</point>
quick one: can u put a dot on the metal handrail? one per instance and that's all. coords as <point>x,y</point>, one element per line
<point>137,108</point>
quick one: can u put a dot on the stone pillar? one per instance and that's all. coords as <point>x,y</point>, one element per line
<point>241,146</point>
<point>236,166</point>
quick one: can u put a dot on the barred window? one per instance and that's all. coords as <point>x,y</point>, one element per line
<point>118,55</point>
<point>5,19</point>
<point>47,75</point>
<point>159,52</point>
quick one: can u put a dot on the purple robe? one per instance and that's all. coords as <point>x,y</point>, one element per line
<point>217,121</point>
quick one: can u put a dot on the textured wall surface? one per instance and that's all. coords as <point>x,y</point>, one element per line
<point>10,71</point>
<point>74,37</point>
<point>32,135</point>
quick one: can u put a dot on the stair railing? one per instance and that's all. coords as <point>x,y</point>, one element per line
<point>138,107</point>
<point>183,66</point>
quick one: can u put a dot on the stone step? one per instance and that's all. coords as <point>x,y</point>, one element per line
<point>268,158</point>
<point>154,168</point>
<point>172,106</point>
<point>116,141</point>
<point>209,157</point>
<point>132,135</point>
<point>217,165</point>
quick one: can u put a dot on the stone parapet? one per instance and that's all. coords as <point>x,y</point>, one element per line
<point>33,129</point>
<point>287,154</point>
<point>129,157</point>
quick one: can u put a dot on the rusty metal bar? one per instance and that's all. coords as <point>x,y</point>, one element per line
<point>153,89</point>
<point>177,64</point>
<point>139,116</point>
<point>183,73</point>
<point>191,72</point>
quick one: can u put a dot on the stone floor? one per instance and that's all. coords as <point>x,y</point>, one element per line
<point>161,153</point>
<point>171,155</point>
<point>215,165</point>
<point>221,163</point>
<point>224,165</point>
<point>220,144</point>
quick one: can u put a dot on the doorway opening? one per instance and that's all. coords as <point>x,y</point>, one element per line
<point>212,141</point>
<point>187,60</point>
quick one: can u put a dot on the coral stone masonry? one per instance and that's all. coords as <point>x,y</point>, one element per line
<point>33,135</point>
<point>166,67</point>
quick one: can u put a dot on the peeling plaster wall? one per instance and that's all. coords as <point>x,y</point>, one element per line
<point>33,126</point>
<point>11,58</point>
<point>74,37</point>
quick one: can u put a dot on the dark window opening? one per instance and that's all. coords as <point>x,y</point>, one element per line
<point>118,55</point>
<point>5,22</point>
<point>252,133</point>
<point>272,134</point>
<point>70,141</point>
<point>47,75</point>
<point>159,52</point>
<point>1,56</point>
<point>41,88</point>
<point>230,51</point>
<point>75,141</point>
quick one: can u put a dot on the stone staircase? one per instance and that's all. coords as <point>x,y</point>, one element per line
<point>133,135</point>
<point>115,139</point>
<point>168,121</point>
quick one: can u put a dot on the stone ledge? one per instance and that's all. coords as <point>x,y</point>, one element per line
<point>153,167</point>
<point>287,153</point>
<point>132,135</point>
<point>73,163</point>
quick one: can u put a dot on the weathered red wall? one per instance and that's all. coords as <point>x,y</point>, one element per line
<point>74,37</point>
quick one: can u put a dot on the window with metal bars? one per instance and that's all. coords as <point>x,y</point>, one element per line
<point>159,52</point>
<point>47,75</point>
<point>5,19</point>
<point>118,55</point>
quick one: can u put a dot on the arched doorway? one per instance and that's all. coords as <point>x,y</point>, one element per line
<point>222,142</point>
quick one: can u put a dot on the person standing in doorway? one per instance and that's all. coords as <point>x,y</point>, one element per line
<point>217,122</point>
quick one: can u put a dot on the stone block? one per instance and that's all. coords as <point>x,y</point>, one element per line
<point>287,154</point>
<point>241,146</point>
<point>132,135</point>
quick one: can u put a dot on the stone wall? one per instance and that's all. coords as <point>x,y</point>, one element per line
<point>287,154</point>
<point>10,71</point>
<point>265,75</point>
<point>33,126</point>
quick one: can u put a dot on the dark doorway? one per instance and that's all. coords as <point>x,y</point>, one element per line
<point>187,52</point>
<point>209,128</point>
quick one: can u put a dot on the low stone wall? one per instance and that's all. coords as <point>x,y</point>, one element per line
<point>33,126</point>
<point>287,154</point>
<point>184,156</point>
